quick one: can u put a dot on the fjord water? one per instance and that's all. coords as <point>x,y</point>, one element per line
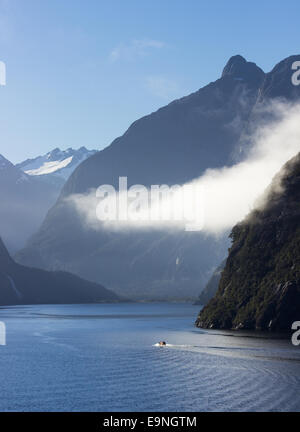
<point>103,358</point>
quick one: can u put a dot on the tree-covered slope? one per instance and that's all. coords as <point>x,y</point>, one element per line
<point>260,285</point>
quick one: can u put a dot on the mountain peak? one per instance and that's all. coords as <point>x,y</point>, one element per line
<point>234,61</point>
<point>239,68</point>
<point>4,163</point>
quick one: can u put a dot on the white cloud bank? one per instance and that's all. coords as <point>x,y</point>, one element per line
<point>230,193</point>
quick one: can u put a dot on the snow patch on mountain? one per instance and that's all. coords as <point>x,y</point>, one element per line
<point>57,163</point>
<point>50,167</point>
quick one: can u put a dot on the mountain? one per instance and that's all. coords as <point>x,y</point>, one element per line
<point>260,284</point>
<point>25,202</point>
<point>211,288</point>
<point>171,146</point>
<point>179,141</point>
<point>23,285</point>
<point>30,189</point>
<point>56,165</point>
<point>278,82</point>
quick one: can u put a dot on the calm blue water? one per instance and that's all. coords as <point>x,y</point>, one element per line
<point>102,358</point>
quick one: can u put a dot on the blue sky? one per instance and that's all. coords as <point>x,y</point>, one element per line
<point>79,72</point>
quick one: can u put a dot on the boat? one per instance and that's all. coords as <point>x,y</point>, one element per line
<point>162,343</point>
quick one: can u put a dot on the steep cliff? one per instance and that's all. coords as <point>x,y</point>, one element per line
<point>260,285</point>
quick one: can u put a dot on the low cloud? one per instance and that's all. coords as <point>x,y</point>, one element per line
<point>227,194</point>
<point>232,192</point>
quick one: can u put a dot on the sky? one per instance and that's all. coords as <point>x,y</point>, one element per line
<point>79,72</point>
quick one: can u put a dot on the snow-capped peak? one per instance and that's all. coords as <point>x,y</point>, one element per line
<point>58,163</point>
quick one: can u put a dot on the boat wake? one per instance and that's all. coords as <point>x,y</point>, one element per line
<point>173,346</point>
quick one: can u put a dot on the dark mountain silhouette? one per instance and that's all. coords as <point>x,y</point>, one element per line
<point>260,285</point>
<point>23,285</point>
<point>173,145</point>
